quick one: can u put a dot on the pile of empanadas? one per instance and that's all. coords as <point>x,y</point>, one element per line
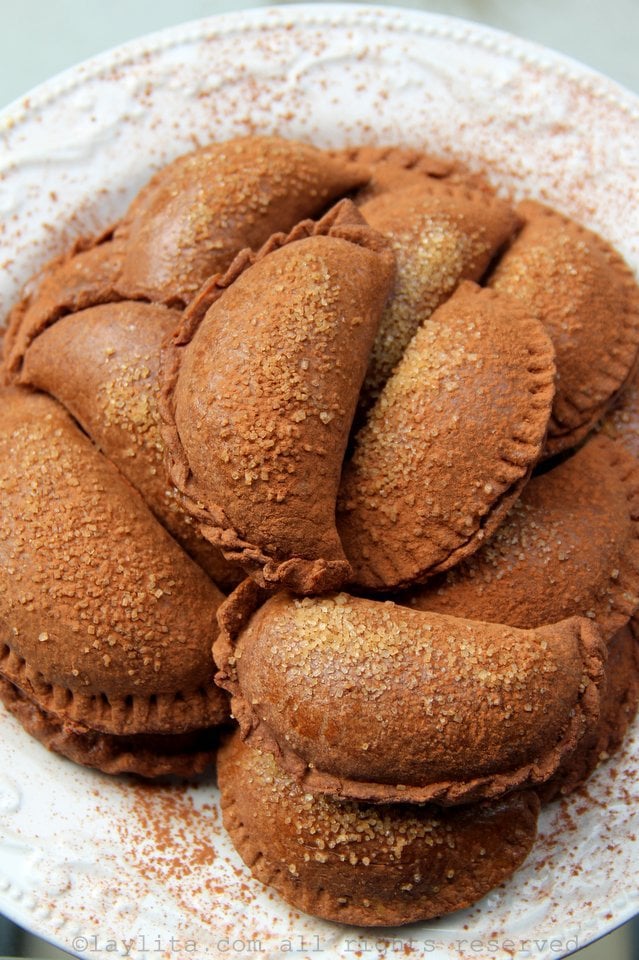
<point>310,441</point>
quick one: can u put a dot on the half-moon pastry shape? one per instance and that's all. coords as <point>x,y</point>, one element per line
<point>619,698</point>
<point>588,300</point>
<point>568,547</point>
<point>108,623</point>
<point>440,459</point>
<point>370,700</point>
<point>198,212</point>
<point>356,863</point>
<point>440,233</point>
<point>102,365</point>
<point>259,396</point>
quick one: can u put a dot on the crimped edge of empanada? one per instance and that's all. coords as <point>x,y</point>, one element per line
<point>162,713</point>
<point>235,613</point>
<point>182,754</point>
<point>298,573</point>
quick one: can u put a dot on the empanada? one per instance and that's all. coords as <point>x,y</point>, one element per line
<point>356,863</point>
<point>393,168</point>
<point>107,624</point>
<point>588,300</point>
<point>260,396</point>
<point>440,233</point>
<point>81,278</point>
<point>198,212</point>
<point>450,442</point>
<point>374,701</point>
<point>568,547</point>
<point>102,365</point>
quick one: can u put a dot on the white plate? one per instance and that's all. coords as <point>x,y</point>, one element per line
<point>101,866</point>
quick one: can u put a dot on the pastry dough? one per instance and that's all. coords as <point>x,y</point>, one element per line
<point>568,547</point>
<point>450,443</point>
<point>107,624</point>
<point>102,365</point>
<point>440,233</point>
<point>355,863</point>
<point>367,699</point>
<point>260,395</point>
<point>588,300</point>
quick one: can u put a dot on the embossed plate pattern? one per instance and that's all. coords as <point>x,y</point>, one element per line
<point>105,866</point>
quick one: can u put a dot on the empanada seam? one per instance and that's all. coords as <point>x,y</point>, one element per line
<point>115,715</point>
<point>215,524</point>
<point>110,757</point>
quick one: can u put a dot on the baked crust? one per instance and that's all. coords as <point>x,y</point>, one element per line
<point>102,365</point>
<point>588,300</point>
<point>259,390</point>
<point>187,223</point>
<point>107,622</point>
<point>619,698</point>
<point>438,462</point>
<point>568,547</point>
<point>441,233</point>
<point>198,212</point>
<point>395,167</point>
<point>360,864</point>
<point>82,277</point>
<point>370,700</point>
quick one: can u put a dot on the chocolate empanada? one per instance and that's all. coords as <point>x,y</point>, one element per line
<point>81,278</point>
<point>568,547</point>
<point>357,863</point>
<point>440,233</point>
<point>619,697</point>
<point>374,701</point>
<point>102,365</point>
<point>450,442</point>
<point>198,212</point>
<point>260,395</point>
<point>147,755</point>
<point>107,623</point>
<point>588,300</point>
